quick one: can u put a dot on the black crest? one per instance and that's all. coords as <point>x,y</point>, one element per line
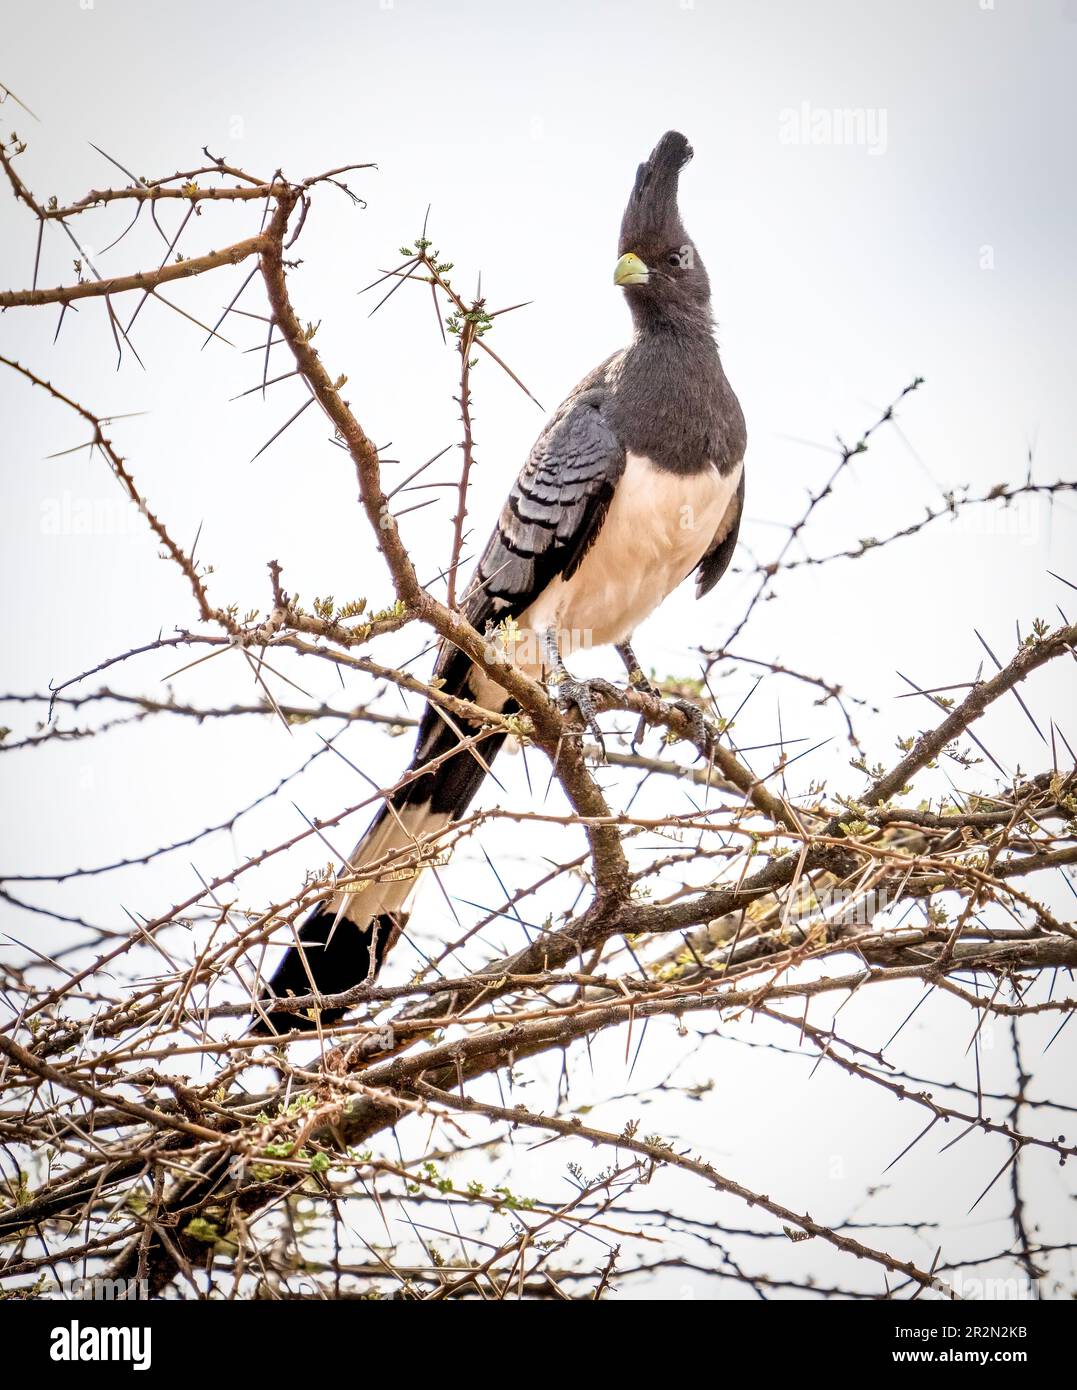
<point>652,217</point>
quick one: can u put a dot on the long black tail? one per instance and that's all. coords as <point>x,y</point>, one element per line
<point>344,940</point>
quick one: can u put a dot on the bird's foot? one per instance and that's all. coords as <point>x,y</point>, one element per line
<point>700,731</point>
<point>638,681</point>
<point>579,694</point>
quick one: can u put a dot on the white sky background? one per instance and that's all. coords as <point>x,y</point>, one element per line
<point>839,273</point>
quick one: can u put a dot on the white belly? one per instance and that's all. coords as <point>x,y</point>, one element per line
<point>658,528</point>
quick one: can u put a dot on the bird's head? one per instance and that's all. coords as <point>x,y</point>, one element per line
<point>659,268</point>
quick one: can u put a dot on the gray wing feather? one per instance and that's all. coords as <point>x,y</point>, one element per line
<point>553,511</point>
<point>716,561</point>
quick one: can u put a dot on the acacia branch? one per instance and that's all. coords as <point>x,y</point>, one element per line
<point>141,280</point>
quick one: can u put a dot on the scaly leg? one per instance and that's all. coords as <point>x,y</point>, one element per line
<point>571,691</point>
<point>701,732</point>
<point>638,681</point>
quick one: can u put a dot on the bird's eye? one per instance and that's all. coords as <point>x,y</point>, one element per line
<point>681,257</point>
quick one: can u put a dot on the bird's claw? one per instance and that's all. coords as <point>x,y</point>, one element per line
<point>580,695</point>
<point>700,731</point>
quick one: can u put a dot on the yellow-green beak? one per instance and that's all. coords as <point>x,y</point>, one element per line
<point>630,270</point>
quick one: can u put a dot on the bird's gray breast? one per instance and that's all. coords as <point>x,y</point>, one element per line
<point>669,401</point>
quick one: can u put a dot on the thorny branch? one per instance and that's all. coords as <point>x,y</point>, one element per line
<point>146,1137</point>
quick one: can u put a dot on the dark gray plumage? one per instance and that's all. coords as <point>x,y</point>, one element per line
<point>665,397</point>
<point>633,484</point>
<point>554,507</point>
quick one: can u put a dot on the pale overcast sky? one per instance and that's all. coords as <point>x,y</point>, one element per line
<point>880,191</point>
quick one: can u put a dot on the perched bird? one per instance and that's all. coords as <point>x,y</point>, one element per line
<point>634,484</point>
